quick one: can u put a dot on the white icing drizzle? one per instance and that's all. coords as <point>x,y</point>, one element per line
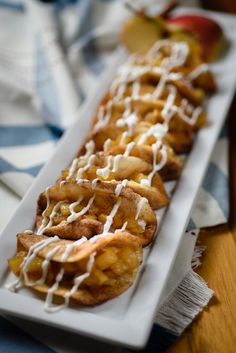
<point>52,215</point>
<point>184,104</point>
<point>170,100</point>
<point>44,218</point>
<point>120,91</point>
<point>198,71</point>
<point>155,49</point>
<point>77,282</point>
<point>32,253</point>
<point>130,72</point>
<point>129,148</point>
<point>123,137</point>
<point>129,120</point>
<point>157,130</point>
<point>189,109</point>
<point>190,120</point>
<point>73,205</point>
<point>170,109</point>
<point>136,71</point>
<point>94,183</point>
<point>106,144</point>
<point>127,103</point>
<point>72,168</point>
<point>159,88</point>
<point>142,223</point>
<point>136,89</point>
<point>116,161</point>
<point>165,77</point>
<point>70,247</point>
<point>90,147</point>
<point>120,186</point>
<point>45,266</point>
<point>100,123</point>
<point>110,217</point>
<point>140,205</point>
<point>79,279</point>
<point>81,170</point>
<point>114,87</point>
<point>103,119</point>
<point>28,231</point>
<point>122,229</point>
<point>51,291</point>
<point>105,172</point>
<point>179,54</point>
<point>108,223</point>
<point>74,215</point>
<point>156,166</point>
<point>14,286</point>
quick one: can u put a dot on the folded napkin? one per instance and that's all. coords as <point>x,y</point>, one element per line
<point>50,58</point>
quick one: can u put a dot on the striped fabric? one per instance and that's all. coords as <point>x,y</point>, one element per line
<point>38,101</point>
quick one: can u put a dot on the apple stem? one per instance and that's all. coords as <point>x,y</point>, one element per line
<point>137,12</point>
<point>169,7</point>
<point>141,11</point>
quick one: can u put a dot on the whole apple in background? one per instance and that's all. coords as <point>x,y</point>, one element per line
<point>207,31</point>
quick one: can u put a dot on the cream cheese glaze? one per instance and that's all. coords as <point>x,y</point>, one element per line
<point>52,215</point>
<point>48,307</point>
<point>74,215</point>
<point>32,253</point>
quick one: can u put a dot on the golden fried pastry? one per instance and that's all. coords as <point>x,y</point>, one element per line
<point>135,172</point>
<point>73,210</point>
<point>153,76</point>
<point>192,68</point>
<point>171,169</point>
<point>179,118</point>
<point>180,141</point>
<point>89,272</point>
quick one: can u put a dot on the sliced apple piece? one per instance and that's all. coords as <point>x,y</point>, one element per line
<point>140,33</point>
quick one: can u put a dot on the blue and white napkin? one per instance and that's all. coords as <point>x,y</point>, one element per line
<point>50,57</point>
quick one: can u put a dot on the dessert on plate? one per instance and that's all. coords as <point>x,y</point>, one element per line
<point>92,224</point>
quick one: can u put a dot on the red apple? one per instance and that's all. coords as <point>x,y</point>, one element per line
<point>207,31</point>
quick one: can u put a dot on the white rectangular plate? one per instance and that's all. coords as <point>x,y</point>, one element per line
<point>126,320</point>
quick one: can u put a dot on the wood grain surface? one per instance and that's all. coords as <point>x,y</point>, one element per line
<point>214,330</point>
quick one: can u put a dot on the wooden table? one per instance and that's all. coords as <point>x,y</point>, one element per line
<point>214,331</point>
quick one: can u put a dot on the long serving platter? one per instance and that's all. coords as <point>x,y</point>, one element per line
<point>126,320</point>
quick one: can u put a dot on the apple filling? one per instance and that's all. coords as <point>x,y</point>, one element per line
<point>96,212</point>
<point>110,263</point>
